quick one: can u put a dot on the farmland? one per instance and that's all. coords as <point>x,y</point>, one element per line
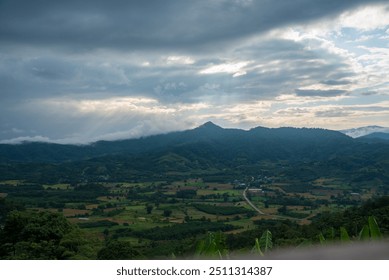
<point>150,215</point>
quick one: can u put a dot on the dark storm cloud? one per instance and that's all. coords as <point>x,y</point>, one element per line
<point>83,26</point>
<point>29,77</point>
<point>50,68</point>
<point>273,66</point>
<point>140,24</point>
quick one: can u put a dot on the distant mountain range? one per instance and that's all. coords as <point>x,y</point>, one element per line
<point>207,140</point>
<point>209,151</point>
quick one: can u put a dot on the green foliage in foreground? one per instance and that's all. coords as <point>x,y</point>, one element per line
<point>213,245</point>
<point>374,230</point>
<point>118,250</point>
<point>370,231</point>
<point>264,244</point>
<point>41,235</point>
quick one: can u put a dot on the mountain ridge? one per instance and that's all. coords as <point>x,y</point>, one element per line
<point>256,142</point>
<point>375,137</point>
<point>364,130</point>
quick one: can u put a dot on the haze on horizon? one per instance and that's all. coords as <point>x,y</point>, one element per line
<point>82,71</point>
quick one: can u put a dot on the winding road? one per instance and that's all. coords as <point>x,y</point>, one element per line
<point>250,203</point>
<point>261,213</point>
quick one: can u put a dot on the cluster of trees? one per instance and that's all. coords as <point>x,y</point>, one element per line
<point>221,210</point>
<point>186,194</point>
<point>45,235</point>
<point>97,224</point>
<point>293,201</point>
<point>39,235</point>
<point>35,195</point>
<point>177,231</point>
<point>118,250</point>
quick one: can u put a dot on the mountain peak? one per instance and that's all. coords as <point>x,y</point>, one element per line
<point>210,125</point>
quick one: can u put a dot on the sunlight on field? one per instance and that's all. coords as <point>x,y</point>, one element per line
<point>58,186</point>
<point>12,182</point>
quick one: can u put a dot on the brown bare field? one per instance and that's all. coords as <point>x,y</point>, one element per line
<point>67,212</point>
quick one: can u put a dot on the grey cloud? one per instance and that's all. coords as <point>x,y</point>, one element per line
<point>153,23</point>
<point>350,110</point>
<point>29,76</point>
<point>333,113</point>
<point>37,119</point>
<point>293,112</point>
<point>59,74</point>
<point>277,66</point>
<point>317,92</point>
<point>370,108</point>
<point>50,68</point>
<point>275,49</point>
<point>62,123</point>
<point>96,50</point>
<point>335,82</point>
<point>368,93</point>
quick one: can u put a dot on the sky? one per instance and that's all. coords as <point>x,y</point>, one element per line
<point>82,71</point>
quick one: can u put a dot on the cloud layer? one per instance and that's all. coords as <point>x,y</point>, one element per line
<point>81,71</point>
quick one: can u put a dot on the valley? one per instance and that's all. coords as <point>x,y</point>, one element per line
<point>162,201</point>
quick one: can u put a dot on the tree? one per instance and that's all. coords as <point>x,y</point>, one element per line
<point>118,250</point>
<point>149,208</point>
<point>167,212</point>
<point>33,235</point>
<point>282,209</point>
